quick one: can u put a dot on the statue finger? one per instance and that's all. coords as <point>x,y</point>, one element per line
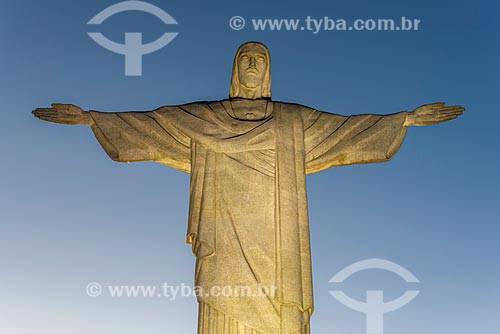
<point>446,118</point>
<point>60,106</point>
<point>44,111</point>
<point>453,108</point>
<point>48,118</point>
<point>438,105</point>
<point>450,112</point>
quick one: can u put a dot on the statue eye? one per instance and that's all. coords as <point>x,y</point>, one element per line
<point>261,58</point>
<point>244,57</point>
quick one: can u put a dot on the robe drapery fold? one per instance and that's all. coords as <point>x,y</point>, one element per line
<point>248,222</point>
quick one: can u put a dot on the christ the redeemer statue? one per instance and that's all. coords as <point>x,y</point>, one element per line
<point>248,157</point>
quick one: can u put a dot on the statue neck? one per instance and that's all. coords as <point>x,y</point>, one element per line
<point>248,109</point>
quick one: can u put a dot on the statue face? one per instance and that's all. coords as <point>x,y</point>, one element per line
<point>252,65</point>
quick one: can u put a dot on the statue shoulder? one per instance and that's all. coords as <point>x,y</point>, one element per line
<point>290,107</point>
<point>190,106</point>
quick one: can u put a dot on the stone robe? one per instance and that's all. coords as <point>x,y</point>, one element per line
<point>248,222</point>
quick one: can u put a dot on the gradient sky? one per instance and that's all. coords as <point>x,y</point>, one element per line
<point>69,215</point>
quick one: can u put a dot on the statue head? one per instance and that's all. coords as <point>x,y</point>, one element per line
<point>251,72</point>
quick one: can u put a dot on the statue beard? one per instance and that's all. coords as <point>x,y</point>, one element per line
<point>251,81</point>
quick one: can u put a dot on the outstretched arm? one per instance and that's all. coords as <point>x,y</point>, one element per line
<point>333,140</point>
<point>129,136</point>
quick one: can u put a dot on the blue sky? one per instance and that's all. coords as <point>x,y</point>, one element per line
<point>69,215</point>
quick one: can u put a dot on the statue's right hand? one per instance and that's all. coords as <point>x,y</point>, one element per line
<point>64,114</point>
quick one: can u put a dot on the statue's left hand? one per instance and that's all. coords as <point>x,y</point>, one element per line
<point>434,113</point>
